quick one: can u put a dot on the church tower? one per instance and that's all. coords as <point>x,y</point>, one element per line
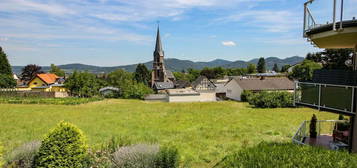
<point>159,71</point>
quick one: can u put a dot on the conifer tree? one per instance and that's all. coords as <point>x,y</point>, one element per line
<point>5,67</point>
<point>261,67</point>
<point>276,68</point>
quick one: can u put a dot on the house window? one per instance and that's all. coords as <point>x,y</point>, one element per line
<point>35,83</point>
<point>229,91</point>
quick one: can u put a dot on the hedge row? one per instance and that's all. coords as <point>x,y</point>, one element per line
<point>267,99</point>
<point>267,155</point>
<point>56,101</point>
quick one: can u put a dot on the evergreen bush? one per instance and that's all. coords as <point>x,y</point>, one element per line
<point>271,99</point>
<point>313,132</point>
<point>63,147</point>
<point>245,95</point>
<point>24,155</point>
<point>267,155</point>
<point>168,157</point>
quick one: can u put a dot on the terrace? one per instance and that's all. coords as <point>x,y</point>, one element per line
<point>331,134</point>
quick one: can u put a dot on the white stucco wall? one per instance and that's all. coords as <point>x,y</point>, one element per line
<point>233,90</point>
<point>203,97</point>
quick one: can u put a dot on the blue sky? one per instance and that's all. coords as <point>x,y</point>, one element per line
<point>119,32</point>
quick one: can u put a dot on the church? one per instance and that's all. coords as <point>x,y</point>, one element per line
<point>161,78</point>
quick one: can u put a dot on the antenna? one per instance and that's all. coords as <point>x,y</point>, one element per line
<point>158,23</point>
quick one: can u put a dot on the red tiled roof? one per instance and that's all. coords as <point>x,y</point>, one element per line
<point>48,78</point>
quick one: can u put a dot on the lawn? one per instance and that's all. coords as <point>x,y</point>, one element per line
<point>203,132</point>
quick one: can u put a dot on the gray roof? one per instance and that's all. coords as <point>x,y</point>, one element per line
<point>163,85</point>
<point>56,84</point>
<point>199,81</point>
<point>158,46</point>
<point>257,84</point>
<point>169,74</point>
<point>109,88</point>
<point>41,87</point>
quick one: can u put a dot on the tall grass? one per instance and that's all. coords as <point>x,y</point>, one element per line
<point>266,155</point>
<point>203,132</point>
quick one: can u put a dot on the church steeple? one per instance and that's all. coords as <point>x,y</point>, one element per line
<point>158,46</point>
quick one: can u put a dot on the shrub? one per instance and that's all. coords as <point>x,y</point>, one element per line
<point>137,156</point>
<point>24,155</point>
<point>246,95</point>
<point>313,132</point>
<point>63,147</point>
<point>271,99</point>
<point>168,157</point>
<point>136,91</point>
<point>266,155</point>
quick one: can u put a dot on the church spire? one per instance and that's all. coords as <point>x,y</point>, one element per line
<point>158,46</point>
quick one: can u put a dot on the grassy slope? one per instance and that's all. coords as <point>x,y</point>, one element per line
<point>203,132</point>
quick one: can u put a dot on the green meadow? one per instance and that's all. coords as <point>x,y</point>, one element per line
<point>203,132</point>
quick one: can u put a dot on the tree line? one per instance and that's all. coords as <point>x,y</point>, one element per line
<point>326,59</point>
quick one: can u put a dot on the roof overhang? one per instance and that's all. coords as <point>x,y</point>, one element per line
<point>325,37</point>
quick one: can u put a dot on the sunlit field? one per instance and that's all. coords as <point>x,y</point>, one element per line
<point>203,132</point>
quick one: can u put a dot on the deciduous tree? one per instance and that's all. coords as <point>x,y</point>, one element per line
<point>142,74</point>
<point>30,71</point>
<point>251,68</point>
<point>56,70</point>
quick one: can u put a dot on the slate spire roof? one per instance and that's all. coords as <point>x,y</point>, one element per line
<point>158,46</point>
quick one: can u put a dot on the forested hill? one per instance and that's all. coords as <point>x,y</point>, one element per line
<point>175,65</point>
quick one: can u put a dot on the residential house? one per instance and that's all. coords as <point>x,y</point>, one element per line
<point>237,85</point>
<point>205,87</point>
<point>47,82</point>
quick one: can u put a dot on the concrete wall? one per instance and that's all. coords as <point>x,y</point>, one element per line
<point>208,96</point>
<point>233,90</point>
<point>203,97</point>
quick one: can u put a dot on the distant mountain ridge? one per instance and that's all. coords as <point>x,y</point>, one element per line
<point>174,64</point>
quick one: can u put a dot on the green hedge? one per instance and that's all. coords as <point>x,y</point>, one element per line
<point>63,147</point>
<point>271,99</point>
<point>244,97</point>
<point>267,155</point>
<point>56,101</point>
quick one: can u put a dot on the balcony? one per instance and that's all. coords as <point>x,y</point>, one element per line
<point>338,33</point>
<point>329,97</point>
<point>331,134</point>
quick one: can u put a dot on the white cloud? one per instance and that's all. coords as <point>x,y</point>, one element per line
<point>27,6</point>
<point>229,43</point>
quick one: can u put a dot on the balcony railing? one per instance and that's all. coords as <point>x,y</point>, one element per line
<point>325,134</point>
<point>335,98</point>
<point>310,22</point>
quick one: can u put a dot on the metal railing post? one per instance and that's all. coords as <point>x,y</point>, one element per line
<point>319,105</point>
<point>334,15</point>
<point>341,14</point>
<point>305,10</point>
<point>295,84</point>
